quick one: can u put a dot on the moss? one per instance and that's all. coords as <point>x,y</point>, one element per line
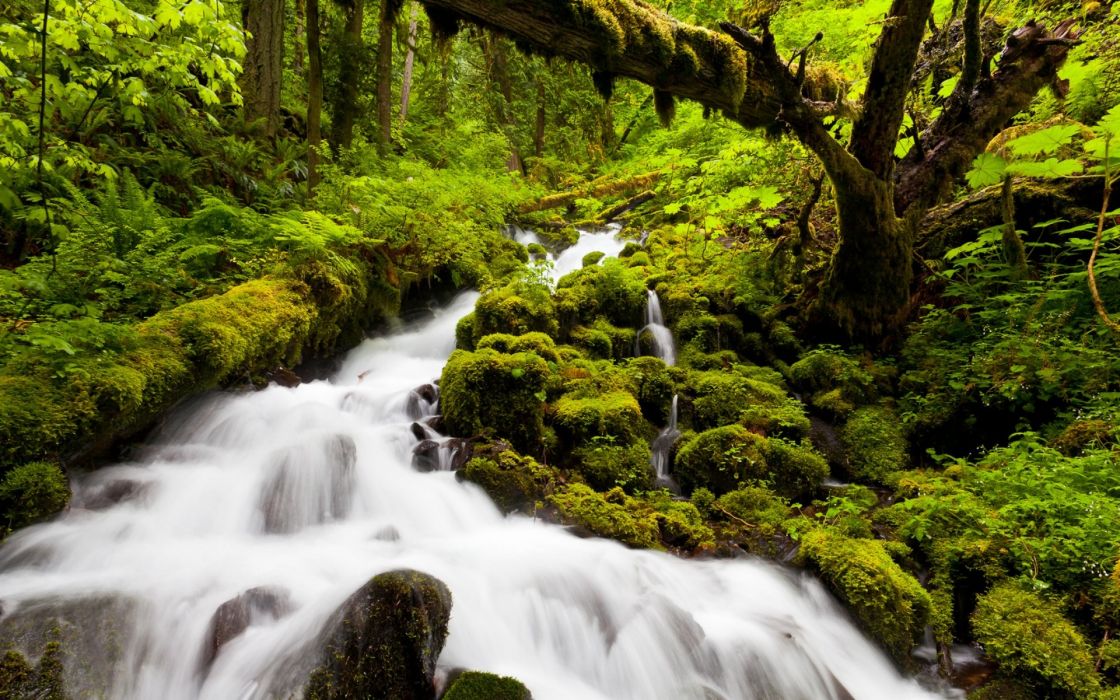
<point>759,507</point>
<point>513,311</point>
<point>606,515</point>
<point>680,523</point>
<point>722,398</point>
<point>889,603</point>
<point>597,343</point>
<point>514,482</point>
<point>835,383</point>
<point>612,414</point>
<point>495,392</point>
<point>654,387</point>
<point>475,685</point>
<point>1003,689</point>
<point>639,259</point>
<point>1082,434</point>
<point>1033,642</point>
<point>16,676</point>
<point>874,443</point>
<point>32,492</point>
<point>537,343</point>
<point>384,640</point>
<point>605,465</point>
<point>593,258</point>
<point>464,332</point>
<point>628,250</point>
<point>610,290</point>
<point>722,458</point>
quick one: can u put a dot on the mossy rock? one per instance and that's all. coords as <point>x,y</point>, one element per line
<point>476,685</point>
<point>384,640</point>
<point>538,343</point>
<point>835,383</point>
<point>506,310</point>
<point>723,398</point>
<point>655,388</point>
<point>1005,689</point>
<point>597,343</point>
<point>605,464</point>
<point>874,443</point>
<point>514,482</point>
<point>606,515</point>
<point>1030,639</point>
<point>464,332</point>
<point>32,492</point>
<point>593,258</point>
<point>610,290</point>
<point>889,603</point>
<point>721,459</point>
<point>613,414</point>
<point>495,392</point>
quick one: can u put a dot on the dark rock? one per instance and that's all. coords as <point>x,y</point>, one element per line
<point>435,423</point>
<point>284,377</point>
<point>309,484</point>
<point>418,431</point>
<point>110,493</point>
<point>383,641</point>
<point>234,616</point>
<point>425,456</point>
<point>421,400</point>
<point>460,452</point>
<point>428,392</point>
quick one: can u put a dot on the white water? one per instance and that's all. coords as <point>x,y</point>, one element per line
<point>604,240</point>
<point>662,445</point>
<point>661,338</point>
<point>310,489</point>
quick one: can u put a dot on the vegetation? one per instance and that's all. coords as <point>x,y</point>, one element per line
<point>902,272</point>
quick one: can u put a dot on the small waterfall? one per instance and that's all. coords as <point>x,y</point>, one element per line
<point>661,338</point>
<point>660,448</point>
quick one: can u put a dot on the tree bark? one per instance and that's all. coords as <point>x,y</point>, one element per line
<point>352,50</point>
<point>314,95</point>
<point>263,65</point>
<point>385,27</point>
<point>409,61</point>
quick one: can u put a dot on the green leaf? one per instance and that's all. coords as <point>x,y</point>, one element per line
<point>1050,168</point>
<point>673,208</point>
<point>1045,141</point>
<point>987,169</point>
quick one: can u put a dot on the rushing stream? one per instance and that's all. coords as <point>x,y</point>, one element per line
<point>310,490</point>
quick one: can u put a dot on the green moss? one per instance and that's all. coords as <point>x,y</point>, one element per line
<point>757,506</point>
<point>610,290</point>
<point>593,258</point>
<point>722,458</point>
<point>679,523</point>
<point>1003,689</point>
<point>537,343</point>
<point>597,343</point>
<point>722,398</point>
<point>32,492</point>
<point>488,391</point>
<point>654,386</point>
<point>606,515</point>
<point>612,414</point>
<point>514,311</point>
<point>16,676</point>
<point>605,465</point>
<point>1033,642</point>
<point>475,685</point>
<point>639,259</point>
<point>888,602</point>
<point>464,332</point>
<point>874,443</point>
<point>513,482</point>
<point>834,382</point>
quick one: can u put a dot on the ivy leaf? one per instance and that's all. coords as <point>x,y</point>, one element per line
<point>1045,141</point>
<point>987,169</point>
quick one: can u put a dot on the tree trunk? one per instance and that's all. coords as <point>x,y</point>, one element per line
<point>541,121</point>
<point>409,60</point>
<point>351,51</point>
<point>314,95</point>
<point>497,64</point>
<point>300,34</point>
<point>263,65</point>
<point>385,26</point>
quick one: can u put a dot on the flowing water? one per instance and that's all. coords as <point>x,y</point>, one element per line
<point>310,491</point>
<point>660,337</point>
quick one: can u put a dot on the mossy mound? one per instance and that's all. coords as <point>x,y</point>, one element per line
<point>614,414</point>
<point>611,291</point>
<point>476,685</point>
<point>654,388</point>
<point>874,443</point>
<point>889,603</point>
<point>605,464</point>
<point>835,383</point>
<point>32,492</point>
<point>723,398</point>
<point>604,341</point>
<point>1034,643</point>
<point>516,310</point>
<point>384,640</point>
<point>538,343</point>
<point>514,482</point>
<point>19,680</point>
<point>656,521</point>
<point>489,391</point>
<point>721,459</point>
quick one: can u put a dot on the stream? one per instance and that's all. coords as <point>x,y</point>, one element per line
<point>310,491</point>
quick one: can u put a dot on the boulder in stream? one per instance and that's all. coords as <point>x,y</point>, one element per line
<point>425,456</point>
<point>235,615</point>
<point>476,685</point>
<point>383,641</point>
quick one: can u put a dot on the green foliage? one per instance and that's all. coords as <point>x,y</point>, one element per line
<point>1031,640</point>
<point>722,458</point>
<point>888,602</point>
<point>475,685</point>
<point>32,492</point>
<point>605,464</point>
<point>874,443</point>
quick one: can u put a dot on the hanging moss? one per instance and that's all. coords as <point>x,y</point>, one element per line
<point>1034,643</point>
<point>446,24</point>
<point>666,107</point>
<point>889,603</point>
<point>604,83</point>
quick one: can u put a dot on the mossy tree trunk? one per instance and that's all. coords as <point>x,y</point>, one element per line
<point>880,201</point>
<point>386,25</point>
<point>314,94</point>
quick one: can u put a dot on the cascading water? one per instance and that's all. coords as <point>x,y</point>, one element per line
<point>660,337</point>
<point>303,494</point>
<point>661,342</point>
<point>661,446</point>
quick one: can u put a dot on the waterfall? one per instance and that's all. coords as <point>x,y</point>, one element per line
<point>295,497</point>
<point>661,338</point>
<point>662,444</point>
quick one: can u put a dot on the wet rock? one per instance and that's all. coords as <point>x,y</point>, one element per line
<point>383,641</point>
<point>460,452</point>
<point>421,400</point>
<point>435,423</point>
<point>309,484</point>
<point>234,616</point>
<point>425,456</point>
<point>284,377</point>
<point>418,431</point>
<point>110,493</point>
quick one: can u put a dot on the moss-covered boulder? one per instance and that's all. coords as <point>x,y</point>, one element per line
<point>383,641</point>
<point>889,603</point>
<point>538,343</point>
<point>514,309</point>
<point>606,464</point>
<point>834,382</point>
<point>721,459</point>
<point>874,443</point>
<point>19,680</point>
<point>489,391</point>
<point>579,419</point>
<point>605,515</point>
<point>30,493</point>
<point>654,388</point>
<point>725,397</point>
<point>611,290</point>
<point>476,685</point>
<point>1032,642</point>
<point>514,482</point>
